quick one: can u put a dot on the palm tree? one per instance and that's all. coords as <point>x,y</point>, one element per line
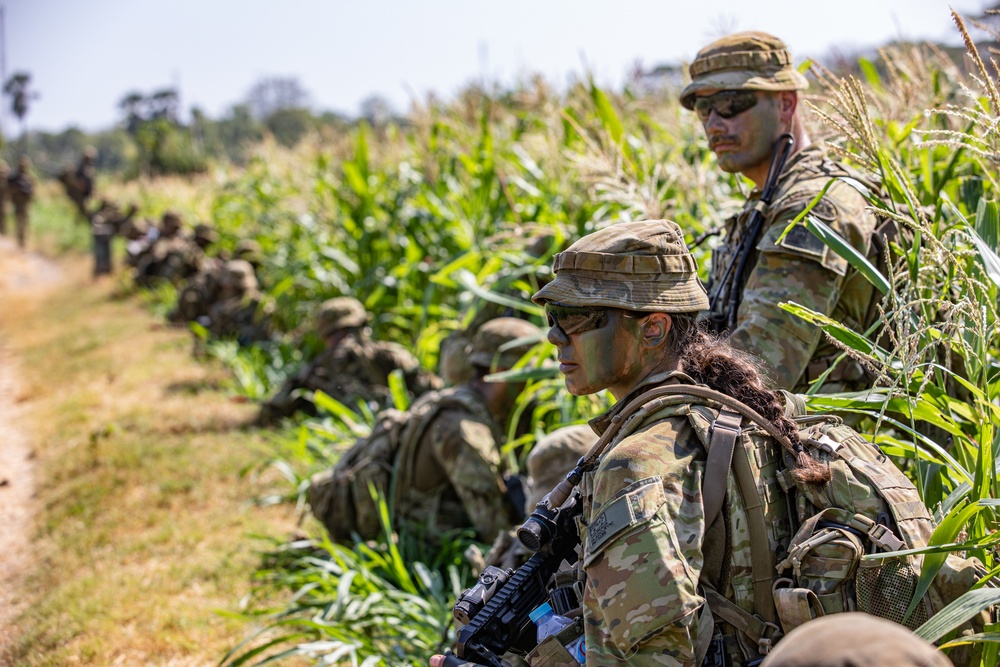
<point>18,88</point>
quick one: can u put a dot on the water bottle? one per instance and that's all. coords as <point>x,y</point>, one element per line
<point>550,623</point>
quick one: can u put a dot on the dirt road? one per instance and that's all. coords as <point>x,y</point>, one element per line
<point>23,277</point>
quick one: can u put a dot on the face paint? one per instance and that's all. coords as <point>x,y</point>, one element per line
<point>745,141</point>
<point>608,357</point>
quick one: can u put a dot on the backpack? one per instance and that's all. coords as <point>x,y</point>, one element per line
<point>342,497</point>
<point>869,506</point>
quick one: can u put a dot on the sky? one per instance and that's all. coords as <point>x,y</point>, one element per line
<point>84,56</point>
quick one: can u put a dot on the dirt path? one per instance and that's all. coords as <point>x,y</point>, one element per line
<point>22,277</point>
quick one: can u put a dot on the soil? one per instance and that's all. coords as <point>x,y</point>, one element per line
<point>22,275</point>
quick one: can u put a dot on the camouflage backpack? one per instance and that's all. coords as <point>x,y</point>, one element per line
<point>341,497</point>
<point>868,507</point>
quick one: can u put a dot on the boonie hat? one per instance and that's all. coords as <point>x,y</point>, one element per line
<point>642,266</point>
<point>853,639</point>
<point>342,312</point>
<point>492,346</point>
<point>743,61</point>
<point>552,457</point>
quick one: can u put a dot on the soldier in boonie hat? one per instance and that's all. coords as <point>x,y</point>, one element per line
<point>342,312</point>
<point>743,61</point>
<point>501,342</point>
<point>640,266</point>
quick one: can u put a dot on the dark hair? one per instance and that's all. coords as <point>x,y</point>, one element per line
<point>710,360</point>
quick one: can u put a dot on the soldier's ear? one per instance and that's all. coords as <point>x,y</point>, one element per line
<point>788,102</point>
<point>656,329</point>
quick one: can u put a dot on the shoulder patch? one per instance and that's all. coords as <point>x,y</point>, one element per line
<point>796,202</point>
<point>803,243</point>
<point>637,505</point>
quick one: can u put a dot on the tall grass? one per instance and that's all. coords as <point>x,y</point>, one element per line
<point>424,221</point>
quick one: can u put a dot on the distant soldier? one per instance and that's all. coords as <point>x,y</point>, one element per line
<point>79,183</point>
<point>350,368</point>
<point>104,224</point>
<point>172,256</point>
<point>200,292</point>
<point>4,196</point>
<point>238,313</point>
<point>21,188</point>
<point>438,464</point>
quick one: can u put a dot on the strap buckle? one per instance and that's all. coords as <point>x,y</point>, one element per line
<point>883,537</point>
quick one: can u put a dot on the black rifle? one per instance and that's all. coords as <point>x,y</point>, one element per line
<point>720,322</point>
<point>502,624</point>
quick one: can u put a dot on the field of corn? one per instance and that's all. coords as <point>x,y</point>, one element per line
<point>427,220</point>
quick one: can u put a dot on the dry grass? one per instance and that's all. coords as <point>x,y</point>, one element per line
<point>144,520</point>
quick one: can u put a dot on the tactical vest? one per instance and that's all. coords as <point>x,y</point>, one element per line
<point>805,545</point>
<point>346,498</point>
<point>807,167</point>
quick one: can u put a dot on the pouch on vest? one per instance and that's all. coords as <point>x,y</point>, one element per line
<point>551,651</point>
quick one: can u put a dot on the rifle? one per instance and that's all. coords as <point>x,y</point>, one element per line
<point>719,322</point>
<point>497,620</point>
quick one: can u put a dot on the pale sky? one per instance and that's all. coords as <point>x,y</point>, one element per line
<point>85,55</point>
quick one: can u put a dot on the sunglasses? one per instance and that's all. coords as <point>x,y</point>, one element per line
<point>727,103</point>
<point>575,319</point>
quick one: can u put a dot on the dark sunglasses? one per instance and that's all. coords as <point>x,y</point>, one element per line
<point>727,103</point>
<point>575,319</point>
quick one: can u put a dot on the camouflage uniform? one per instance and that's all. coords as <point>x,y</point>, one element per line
<point>452,476</point>
<point>239,313</point>
<point>800,268</point>
<point>200,292</point>
<point>355,368</point>
<point>79,183</point>
<point>4,196</point>
<point>172,256</point>
<point>854,640</point>
<point>646,551</point>
<point>20,189</point>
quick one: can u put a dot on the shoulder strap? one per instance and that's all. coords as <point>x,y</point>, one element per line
<point>726,432</point>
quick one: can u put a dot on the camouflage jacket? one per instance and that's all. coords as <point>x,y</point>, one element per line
<point>450,476</point>
<point>242,318</point>
<point>646,551</point>
<point>800,269</point>
<point>356,369</point>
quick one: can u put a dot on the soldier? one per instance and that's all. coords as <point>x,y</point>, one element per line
<point>744,89</point>
<point>20,189</point>
<point>853,640</point>
<point>238,313</point>
<point>351,367</point>
<point>622,313</point>
<point>79,183</point>
<point>447,472</point>
<point>4,196</point>
<point>172,256</point>
<point>105,222</point>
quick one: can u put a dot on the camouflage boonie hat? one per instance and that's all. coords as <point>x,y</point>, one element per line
<point>203,234</point>
<point>491,348</point>
<point>239,273</point>
<point>553,456</point>
<point>853,639</point>
<point>343,312</point>
<point>642,266</point>
<point>250,251</point>
<point>743,61</point>
<point>170,222</point>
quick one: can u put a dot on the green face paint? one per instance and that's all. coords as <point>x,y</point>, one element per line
<point>608,357</point>
<point>745,141</point>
